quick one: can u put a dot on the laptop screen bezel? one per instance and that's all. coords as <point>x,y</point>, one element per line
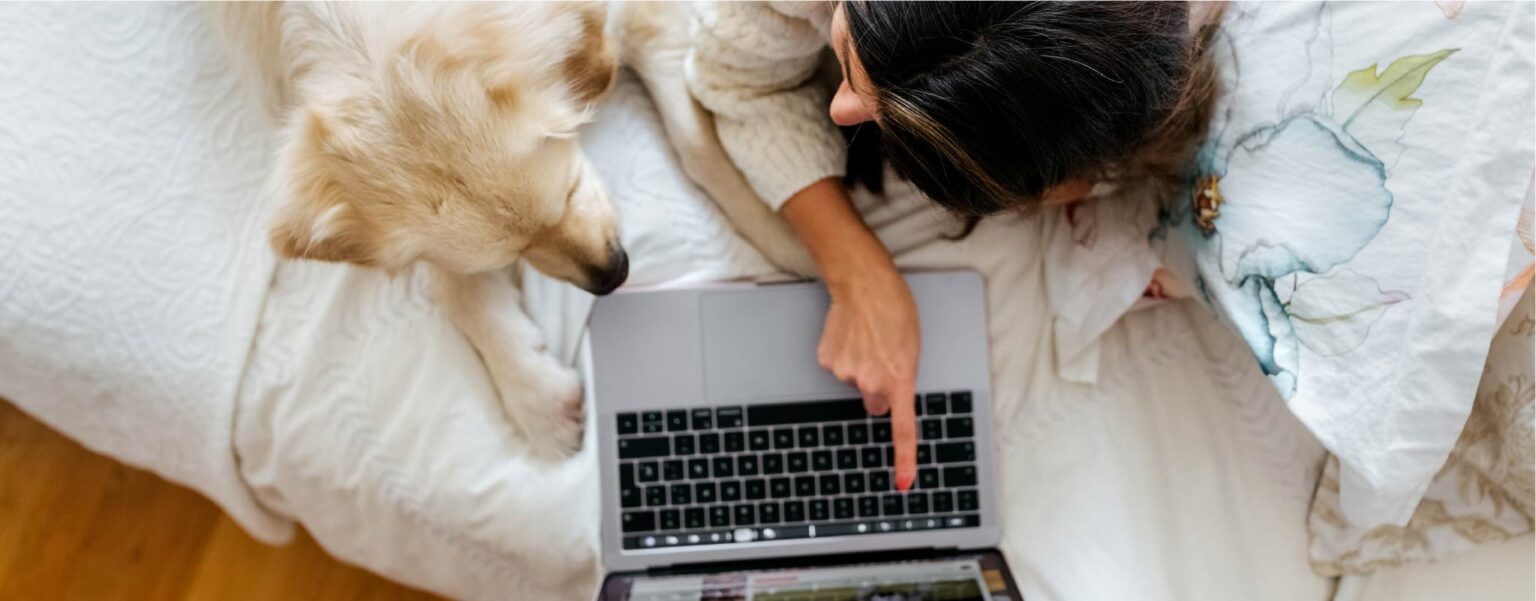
<point>613,583</point>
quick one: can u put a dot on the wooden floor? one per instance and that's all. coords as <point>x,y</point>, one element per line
<point>76,525</point>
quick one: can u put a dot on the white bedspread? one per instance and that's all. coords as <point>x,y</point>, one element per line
<point>136,315</point>
<point>133,258</point>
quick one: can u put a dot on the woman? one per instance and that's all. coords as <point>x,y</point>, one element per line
<point>983,106</point>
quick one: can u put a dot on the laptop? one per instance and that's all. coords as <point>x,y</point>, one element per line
<point>732,466</point>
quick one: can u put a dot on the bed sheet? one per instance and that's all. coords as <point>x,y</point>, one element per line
<point>366,416</point>
<point>133,259</point>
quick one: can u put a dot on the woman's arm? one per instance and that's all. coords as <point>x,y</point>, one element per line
<point>871,338</point>
<point>754,65</point>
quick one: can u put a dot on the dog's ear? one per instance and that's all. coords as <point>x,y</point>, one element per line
<point>593,64</point>
<point>316,221</point>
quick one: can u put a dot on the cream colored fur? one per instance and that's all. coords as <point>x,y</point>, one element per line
<point>445,133</point>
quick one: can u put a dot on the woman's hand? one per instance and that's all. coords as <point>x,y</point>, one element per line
<point>871,338</point>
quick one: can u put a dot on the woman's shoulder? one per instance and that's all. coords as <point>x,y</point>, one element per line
<point>789,21</point>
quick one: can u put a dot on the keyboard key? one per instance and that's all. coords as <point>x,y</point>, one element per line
<point>955,477</point>
<point>703,419</point>
<point>719,516</point>
<point>842,508</point>
<point>768,513</point>
<point>709,443</point>
<point>917,405</point>
<point>652,422</point>
<point>780,414</point>
<point>773,463</point>
<point>950,452</point>
<point>778,488</point>
<point>682,444</point>
<point>629,423</point>
<point>784,438</point>
<point>933,428</point>
<point>638,521</point>
<point>626,474</point>
<point>704,492</point>
<point>880,431</point>
<point>805,486</point>
<point>810,437</point>
<point>832,435</point>
<point>746,465</point>
<point>745,515</point>
<point>655,495</point>
<point>672,470</point>
<point>928,478</point>
<point>831,485</point>
<point>798,462</point>
<point>629,496</point>
<point>890,455</point>
<point>724,467</point>
<point>819,511</point>
<point>960,402</point>
<point>677,421</point>
<point>730,491</point>
<point>869,507</point>
<point>943,501</point>
<point>682,494</point>
<point>933,404</point>
<point>853,483</point>
<point>698,468</point>
<point>757,440</point>
<point>693,518</point>
<point>847,459</point>
<point>648,471</point>
<point>794,511</point>
<point>641,448</point>
<point>892,505</point>
<point>967,500</point>
<point>821,461</point>
<point>924,454</point>
<point>959,427</point>
<point>728,417</point>
<point>917,502</point>
<point>671,519</point>
<point>756,489</point>
<point>858,433</point>
<point>879,481</point>
<point>872,457</point>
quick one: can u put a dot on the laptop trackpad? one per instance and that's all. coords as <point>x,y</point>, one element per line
<point>761,344</point>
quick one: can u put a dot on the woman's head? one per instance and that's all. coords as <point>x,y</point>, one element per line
<point>990,106</point>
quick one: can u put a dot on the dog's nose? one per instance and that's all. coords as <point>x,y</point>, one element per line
<point>612,275</point>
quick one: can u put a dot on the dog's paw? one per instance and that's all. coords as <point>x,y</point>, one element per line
<point>548,411</point>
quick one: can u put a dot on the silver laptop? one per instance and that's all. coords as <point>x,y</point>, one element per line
<point>731,461</point>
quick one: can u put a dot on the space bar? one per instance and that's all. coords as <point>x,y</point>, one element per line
<point>779,414</point>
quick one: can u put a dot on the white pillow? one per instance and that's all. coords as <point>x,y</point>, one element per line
<point>1370,160</point>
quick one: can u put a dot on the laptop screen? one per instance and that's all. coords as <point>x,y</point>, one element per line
<point>964,577</point>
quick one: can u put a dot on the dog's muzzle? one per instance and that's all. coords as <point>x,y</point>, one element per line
<point>612,275</point>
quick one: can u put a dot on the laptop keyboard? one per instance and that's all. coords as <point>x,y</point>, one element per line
<point>789,471</point>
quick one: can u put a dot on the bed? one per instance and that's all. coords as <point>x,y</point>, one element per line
<point>158,329</point>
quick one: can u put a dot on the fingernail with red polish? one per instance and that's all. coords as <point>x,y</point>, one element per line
<point>904,483</point>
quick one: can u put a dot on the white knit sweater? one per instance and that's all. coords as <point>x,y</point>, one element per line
<point>754,65</point>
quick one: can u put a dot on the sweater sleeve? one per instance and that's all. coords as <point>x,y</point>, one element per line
<point>754,65</point>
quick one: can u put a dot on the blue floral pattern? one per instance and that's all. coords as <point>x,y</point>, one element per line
<point>1281,207</point>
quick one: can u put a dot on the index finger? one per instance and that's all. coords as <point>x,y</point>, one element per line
<point>904,434</point>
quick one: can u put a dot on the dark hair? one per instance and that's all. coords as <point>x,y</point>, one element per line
<point>986,105</point>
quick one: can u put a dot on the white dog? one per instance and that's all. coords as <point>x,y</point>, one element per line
<point>444,133</point>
